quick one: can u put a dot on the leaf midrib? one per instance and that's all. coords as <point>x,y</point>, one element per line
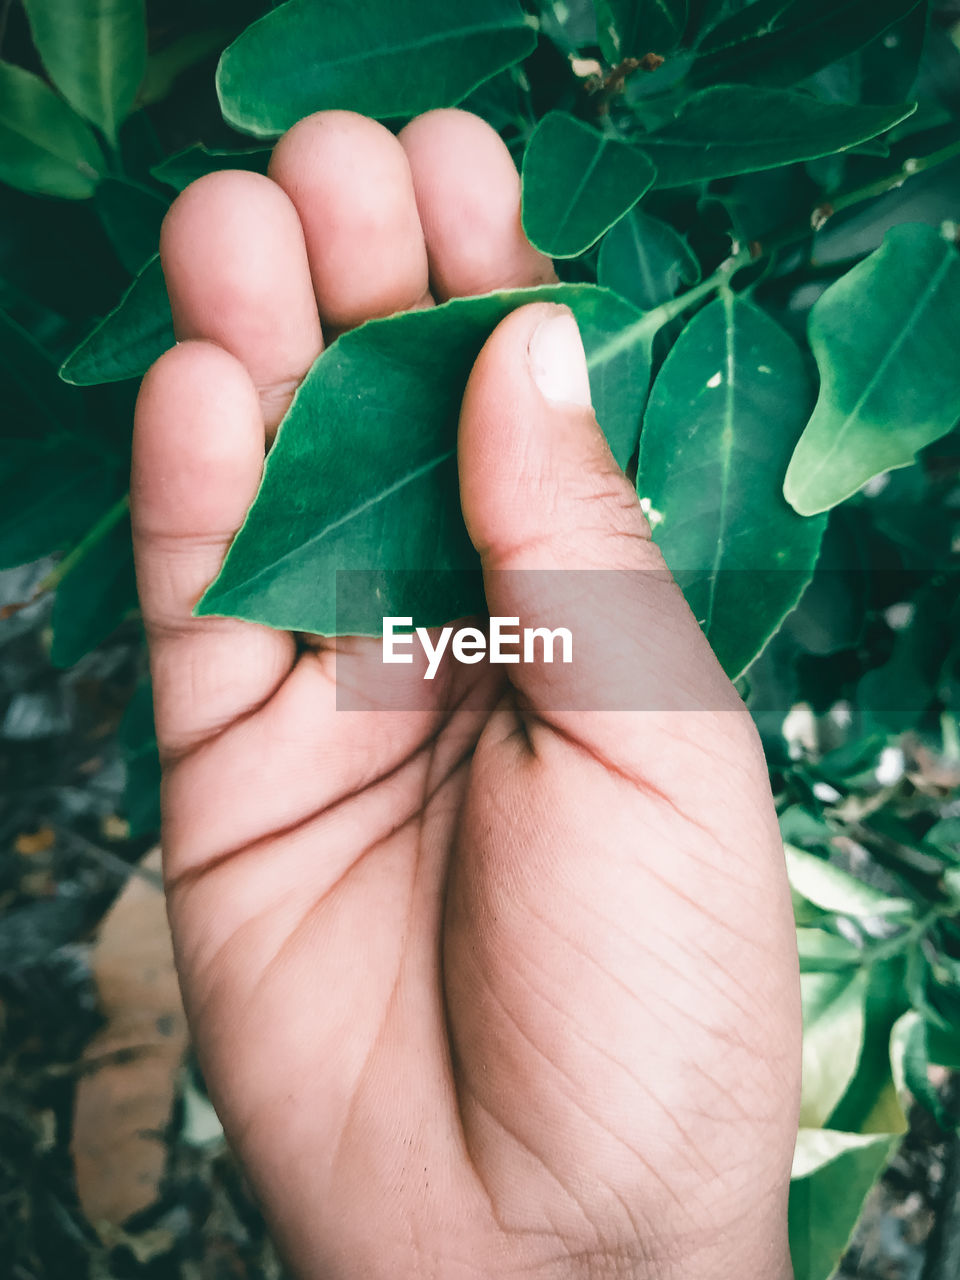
<point>579,190</point>
<point>368,504</point>
<point>668,17</point>
<point>378,54</point>
<point>726,456</point>
<point>72,161</point>
<point>854,414</point>
<point>105,64</point>
<point>717,143</point>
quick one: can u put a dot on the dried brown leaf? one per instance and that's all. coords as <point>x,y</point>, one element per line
<point>124,1099</point>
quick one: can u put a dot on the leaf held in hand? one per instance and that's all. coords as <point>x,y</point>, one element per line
<point>377,488</point>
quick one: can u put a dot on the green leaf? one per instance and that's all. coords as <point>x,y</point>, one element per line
<point>833,1172</point>
<point>884,337</point>
<point>778,42</point>
<point>135,333</point>
<point>833,1026</point>
<point>820,951</point>
<point>51,492</point>
<point>166,66</point>
<point>943,1046</point>
<point>95,52</point>
<point>705,14</point>
<point>733,129</point>
<point>377,488</point>
<point>137,739</point>
<point>723,416</point>
<point>870,1104</point>
<point>833,889</point>
<point>45,148</point>
<point>577,183</point>
<point>945,835</point>
<point>94,597</point>
<point>194,162</point>
<point>911,1042</point>
<point>384,58</point>
<point>131,216</point>
<point>570,24</point>
<point>35,401</point>
<point>646,261</point>
<point>884,70</point>
<point>895,695</point>
<point>632,28</point>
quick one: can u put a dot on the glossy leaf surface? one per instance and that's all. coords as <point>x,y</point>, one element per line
<point>833,889</point>
<point>577,183</point>
<point>723,417</point>
<point>45,148</point>
<point>646,261</point>
<point>825,1202</point>
<point>377,488</point>
<point>126,343</point>
<point>632,28</point>
<point>884,337</point>
<point>778,43</point>
<point>385,58</point>
<point>95,52</point>
<point>733,129</point>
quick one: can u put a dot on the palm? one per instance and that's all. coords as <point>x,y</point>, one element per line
<point>479,989</point>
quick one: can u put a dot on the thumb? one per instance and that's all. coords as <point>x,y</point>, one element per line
<point>561,535</point>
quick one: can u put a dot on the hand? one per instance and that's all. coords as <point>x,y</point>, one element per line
<point>497,989</point>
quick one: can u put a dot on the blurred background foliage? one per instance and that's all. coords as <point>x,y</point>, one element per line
<point>857,695</point>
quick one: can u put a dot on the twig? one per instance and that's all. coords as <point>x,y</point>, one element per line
<point>109,861</point>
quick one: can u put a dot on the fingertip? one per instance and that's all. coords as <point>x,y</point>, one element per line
<point>198,443</point>
<point>468,194</point>
<point>531,453</point>
<point>349,179</point>
<point>236,268</point>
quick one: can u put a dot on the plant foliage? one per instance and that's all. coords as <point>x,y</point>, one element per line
<point>753,208</point>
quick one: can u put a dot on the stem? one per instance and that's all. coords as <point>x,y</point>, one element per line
<point>646,328</point>
<point>789,234</point>
<point>908,169</point>
<point>898,944</point>
<point>88,541</point>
